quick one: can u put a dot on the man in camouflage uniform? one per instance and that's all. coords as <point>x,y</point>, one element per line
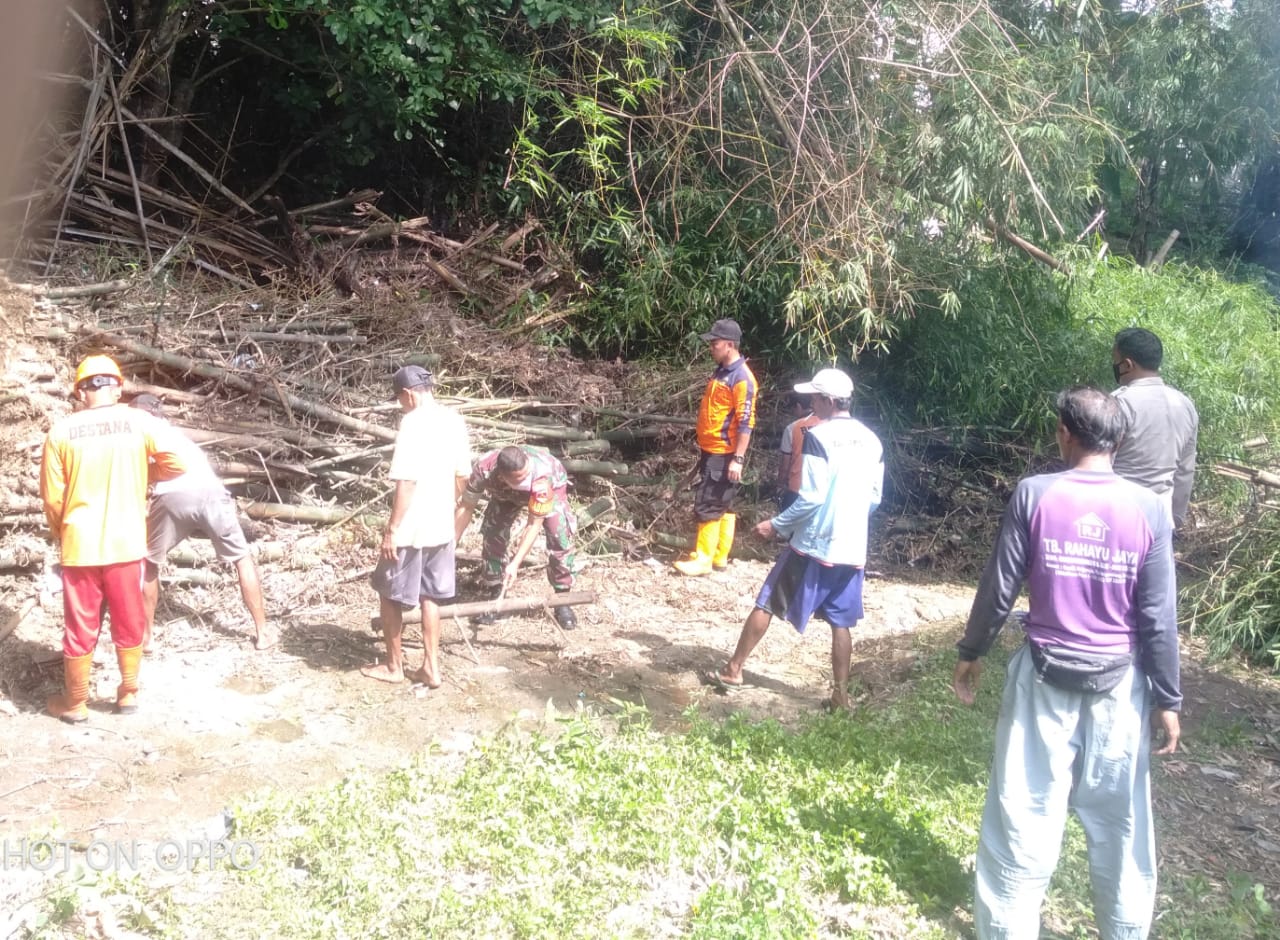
<point>516,480</point>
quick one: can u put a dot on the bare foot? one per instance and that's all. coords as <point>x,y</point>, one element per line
<point>382,672</point>
<point>420,675</point>
<point>266,637</point>
<point>147,645</point>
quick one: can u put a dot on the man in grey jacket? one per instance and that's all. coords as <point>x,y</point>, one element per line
<point>1159,449</point>
<point>1099,666</point>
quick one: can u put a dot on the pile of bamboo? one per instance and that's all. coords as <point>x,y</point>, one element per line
<point>306,460</point>
<point>94,189</point>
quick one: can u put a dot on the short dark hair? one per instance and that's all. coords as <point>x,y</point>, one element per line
<point>1093,417</point>
<point>839,404</point>
<point>510,460</point>
<point>1142,346</point>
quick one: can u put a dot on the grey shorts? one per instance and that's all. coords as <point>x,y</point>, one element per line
<point>417,574</point>
<point>211,512</point>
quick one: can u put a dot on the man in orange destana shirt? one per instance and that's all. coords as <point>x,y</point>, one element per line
<point>791,465</point>
<point>725,419</point>
<point>93,481</point>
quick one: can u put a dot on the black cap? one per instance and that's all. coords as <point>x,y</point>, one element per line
<point>149,403</point>
<point>724,329</point>
<point>408,377</point>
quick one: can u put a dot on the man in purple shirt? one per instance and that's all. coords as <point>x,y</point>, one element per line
<point>1100,666</point>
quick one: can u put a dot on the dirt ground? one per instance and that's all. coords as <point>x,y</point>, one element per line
<point>219,719</point>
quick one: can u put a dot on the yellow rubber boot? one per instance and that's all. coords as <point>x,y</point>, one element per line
<point>700,562</point>
<point>71,706</point>
<point>127,691</point>
<point>728,525</point>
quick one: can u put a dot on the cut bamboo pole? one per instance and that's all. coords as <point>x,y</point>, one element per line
<point>508,605</point>
<point>261,551</point>
<point>314,514</point>
<point>582,448</point>
<point>200,578</point>
<point>598,467</point>
<point>10,561</point>
<point>18,616</point>
<point>530,430</point>
<point>81,290</point>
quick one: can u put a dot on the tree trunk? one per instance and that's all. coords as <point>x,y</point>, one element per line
<point>155,30</point>
<point>1144,208</point>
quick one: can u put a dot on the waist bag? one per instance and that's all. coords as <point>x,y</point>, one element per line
<point>1077,671</point>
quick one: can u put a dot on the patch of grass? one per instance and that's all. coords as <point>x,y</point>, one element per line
<point>1195,907</point>
<point>1238,606</point>
<point>1226,732</point>
<point>847,826</point>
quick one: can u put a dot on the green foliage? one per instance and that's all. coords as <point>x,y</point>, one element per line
<point>999,359</point>
<point>847,826</point>
<point>1195,90</point>
<point>1237,608</point>
<point>690,185</point>
<point>999,363</point>
<point>371,69</point>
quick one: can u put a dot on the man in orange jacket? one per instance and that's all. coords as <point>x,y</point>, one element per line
<point>726,417</point>
<point>93,481</point>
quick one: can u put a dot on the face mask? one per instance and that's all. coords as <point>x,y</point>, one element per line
<point>1115,371</point>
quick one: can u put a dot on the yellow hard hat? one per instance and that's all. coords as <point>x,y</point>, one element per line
<point>98,365</point>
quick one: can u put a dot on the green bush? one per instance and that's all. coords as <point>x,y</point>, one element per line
<point>1020,336</point>
<point>1238,606</point>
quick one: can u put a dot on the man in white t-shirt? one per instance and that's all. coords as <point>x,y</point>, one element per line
<point>197,503</point>
<point>430,466</point>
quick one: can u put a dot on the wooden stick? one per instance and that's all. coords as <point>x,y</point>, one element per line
<point>532,431</point>
<point>283,337</point>
<point>10,561</point>
<point>128,162</point>
<point>510,605</point>
<point>582,448</point>
<point>1251,474</point>
<point>475,658</point>
<point>210,371</point>
<point>1158,261</point>
<point>19,615</point>
<point>1022,244</point>
<point>315,514</point>
<point>598,467</point>
<point>201,577</point>
<point>163,392</point>
<point>81,290</point>
<point>195,167</point>
<point>360,195</point>
<point>261,551</point>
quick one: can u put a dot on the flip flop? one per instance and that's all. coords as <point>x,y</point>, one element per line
<point>713,678</point>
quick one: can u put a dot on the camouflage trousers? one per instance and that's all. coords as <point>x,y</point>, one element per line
<point>558,527</point>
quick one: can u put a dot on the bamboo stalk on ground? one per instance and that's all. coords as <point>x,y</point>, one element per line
<point>187,557</point>
<point>508,605</point>
<point>1250,474</point>
<point>325,515</point>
